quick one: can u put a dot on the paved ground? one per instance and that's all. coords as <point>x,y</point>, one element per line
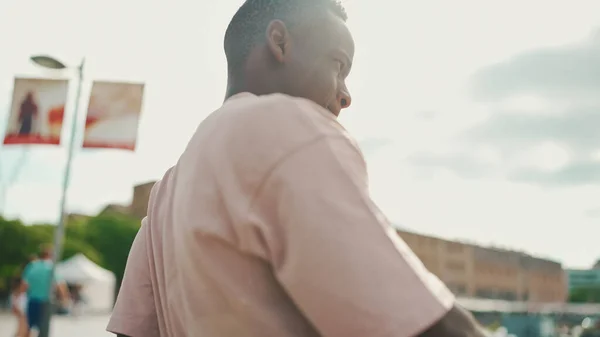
<point>87,326</point>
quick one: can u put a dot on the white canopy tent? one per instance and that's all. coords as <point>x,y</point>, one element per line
<point>97,283</point>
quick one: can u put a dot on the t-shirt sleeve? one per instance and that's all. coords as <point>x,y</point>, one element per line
<point>335,253</point>
<point>134,314</point>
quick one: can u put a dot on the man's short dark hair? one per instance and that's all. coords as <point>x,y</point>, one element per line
<point>45,250</point>
<point>249,24</point>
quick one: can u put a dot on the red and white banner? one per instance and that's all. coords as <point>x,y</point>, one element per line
<point>37,111</point>
<point>113,115</point>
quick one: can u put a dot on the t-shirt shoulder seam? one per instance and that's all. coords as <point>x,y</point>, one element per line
<point>278,163</point>
<point>282,160</point>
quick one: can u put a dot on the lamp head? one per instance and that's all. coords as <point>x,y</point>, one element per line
<point>48,62</point>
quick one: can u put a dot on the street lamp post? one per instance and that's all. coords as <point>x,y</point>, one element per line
<point>52,63</point>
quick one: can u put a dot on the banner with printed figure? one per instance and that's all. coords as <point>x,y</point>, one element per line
<point>37,111</point>
<point>113,115</point>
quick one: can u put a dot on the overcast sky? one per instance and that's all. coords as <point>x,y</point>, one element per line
<point>479,121</point>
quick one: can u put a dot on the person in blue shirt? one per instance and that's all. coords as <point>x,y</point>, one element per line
<point>38,276</point>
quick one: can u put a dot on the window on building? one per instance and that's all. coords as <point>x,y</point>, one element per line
<point>485,293</point>
<point>453,247</point>
<point>457,289</point>
<point>507,295</point>
<point>456,266</point>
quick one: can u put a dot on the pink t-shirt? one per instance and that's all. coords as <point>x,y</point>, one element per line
<point>265,228</point>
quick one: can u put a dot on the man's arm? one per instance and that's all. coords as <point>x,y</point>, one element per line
<point>339,258</point>
<point>134,313</point>
<point>60,286</point>
<point>63,292</point>
<point>14,309</point>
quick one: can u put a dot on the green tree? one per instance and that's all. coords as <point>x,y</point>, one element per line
<point>104,239</point>
<point>111,235</point>
<point>38,235</point>
<point>76,237</point>
<point>14,242</point>
<point>73,247</point>
<point>76,228</point>
<point>585,295</point>
<point>17,243</point>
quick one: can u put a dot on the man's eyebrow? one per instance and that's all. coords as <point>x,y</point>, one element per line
<point>348,63</point>
<point>341,53</point>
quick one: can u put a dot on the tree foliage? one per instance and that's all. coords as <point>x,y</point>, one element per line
<point>112,234</point>
<point>585,295</point>
<point>104,239</point>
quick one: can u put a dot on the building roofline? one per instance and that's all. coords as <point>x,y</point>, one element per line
<point>475,245</point>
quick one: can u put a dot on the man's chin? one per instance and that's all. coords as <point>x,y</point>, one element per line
<point>336,113</point>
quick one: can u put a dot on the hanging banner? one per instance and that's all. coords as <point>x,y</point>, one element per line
<point>37,111</point>
<point>113,115</point>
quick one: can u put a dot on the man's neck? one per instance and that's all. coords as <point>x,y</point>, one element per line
<point>258,88</point>
<point>234,87</point>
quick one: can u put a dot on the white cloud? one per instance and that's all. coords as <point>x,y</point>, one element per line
<point>488,155</point>
<point>527,104</point>
<point>547,156</point>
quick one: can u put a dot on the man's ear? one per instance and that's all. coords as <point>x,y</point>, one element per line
<point>278,39</point>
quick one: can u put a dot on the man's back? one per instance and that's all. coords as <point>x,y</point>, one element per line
<point>254,232</point>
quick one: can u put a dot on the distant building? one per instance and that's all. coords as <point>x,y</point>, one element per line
<point>473,271</point>
<point>468,270</point>
<point>583,278</point>
<point>141,195</point>
<point>117,208</point>
<point>139,205</point>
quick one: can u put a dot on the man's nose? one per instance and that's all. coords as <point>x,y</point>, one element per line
<point>345,99</point>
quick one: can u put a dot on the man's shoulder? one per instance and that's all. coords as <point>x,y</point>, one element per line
<point>280,115</point>
<point>39,265</point>
<point>251,134</point>
<point>260,128</point>
<point>31,265</point>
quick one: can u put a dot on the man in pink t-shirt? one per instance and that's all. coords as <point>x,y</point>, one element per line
<point>265,227</point>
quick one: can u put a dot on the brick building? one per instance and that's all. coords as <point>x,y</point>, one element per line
<point>139,205</point>
<point>468,270</point>
<point>474,271</point>
<point>141,195</point>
